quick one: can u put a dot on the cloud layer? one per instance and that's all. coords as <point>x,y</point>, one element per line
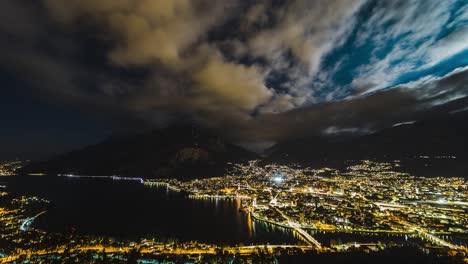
<point>261,70</point>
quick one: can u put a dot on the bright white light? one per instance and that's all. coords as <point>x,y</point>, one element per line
<point>278,178</point>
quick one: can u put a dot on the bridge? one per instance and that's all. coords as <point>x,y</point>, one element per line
<point>307,237</point>
<point>28,221</point>
<point>167,185</point>
<point>434,239</point>
<point>428,236</point>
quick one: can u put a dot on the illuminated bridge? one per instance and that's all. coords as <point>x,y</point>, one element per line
<point>307,237</point>
<point>428,236</point>
<point>434,239</point>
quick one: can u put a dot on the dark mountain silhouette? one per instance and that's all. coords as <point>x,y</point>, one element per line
<point>432,147</point>
<point>435,147</point>
<point>179,151</point>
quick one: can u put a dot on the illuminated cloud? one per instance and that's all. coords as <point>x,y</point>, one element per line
<point>404,123</point>
<point>348,130</point>
<point>408,36</point>
<point>260,70</point>
<point>232,84</point>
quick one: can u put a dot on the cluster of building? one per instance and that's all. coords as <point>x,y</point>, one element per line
<point>15,224</point>
<point>8,168</point>
<point>369,197</point>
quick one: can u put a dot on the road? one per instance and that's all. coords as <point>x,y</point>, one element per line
<point>113,177</point>
<point>156,249</point>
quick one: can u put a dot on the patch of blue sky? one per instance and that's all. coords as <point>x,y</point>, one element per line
<point>342,61</point>
<point>458,14</point>
<point>458,18</point>
<point>438,70</point>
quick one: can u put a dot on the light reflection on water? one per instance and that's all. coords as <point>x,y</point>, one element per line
<point>129,210</point>
<point>132,211</point>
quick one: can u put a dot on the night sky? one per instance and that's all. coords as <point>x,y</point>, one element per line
<point>75,72</point>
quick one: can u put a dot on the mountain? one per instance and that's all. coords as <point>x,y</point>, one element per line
<point>179,151</point>
<point>432,147</point>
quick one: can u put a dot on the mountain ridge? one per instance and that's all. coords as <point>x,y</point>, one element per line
<point>179,152</point>
<point>430,147</point>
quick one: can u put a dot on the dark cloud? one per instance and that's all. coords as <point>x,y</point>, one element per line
<point>208,61</point>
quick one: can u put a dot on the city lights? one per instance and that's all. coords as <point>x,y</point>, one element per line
<point>278,178</point>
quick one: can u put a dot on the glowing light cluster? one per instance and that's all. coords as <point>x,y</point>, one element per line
<point>278,178</point>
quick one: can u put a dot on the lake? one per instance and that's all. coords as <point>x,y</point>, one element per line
<point>130,210</point>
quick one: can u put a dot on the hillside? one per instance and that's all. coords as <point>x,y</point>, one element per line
<point>180,151</point>
<point>436,147</point>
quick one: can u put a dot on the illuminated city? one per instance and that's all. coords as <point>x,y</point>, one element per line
<point>366,198</point>
<point>8,168</point>
<point>369,197</point>
<point>234,131</point>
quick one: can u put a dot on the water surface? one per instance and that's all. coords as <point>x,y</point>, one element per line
<point>130,210</point>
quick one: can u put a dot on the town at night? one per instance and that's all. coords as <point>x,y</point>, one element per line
<point>232,131</point>
<point>380,208</point>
